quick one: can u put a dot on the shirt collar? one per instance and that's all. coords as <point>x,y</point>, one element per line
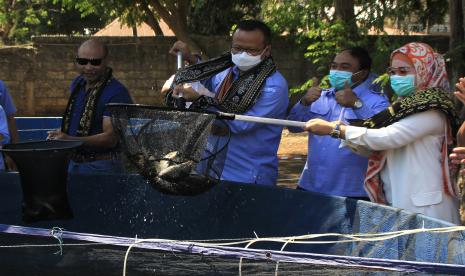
<point>235,70</point>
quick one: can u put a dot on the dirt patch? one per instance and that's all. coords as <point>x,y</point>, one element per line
<point>293,144</point>
<point>292,155</point>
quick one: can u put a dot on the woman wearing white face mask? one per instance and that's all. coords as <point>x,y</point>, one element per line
<point>408,165</point>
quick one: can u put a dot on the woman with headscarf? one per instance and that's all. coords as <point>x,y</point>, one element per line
<point>408,141</point>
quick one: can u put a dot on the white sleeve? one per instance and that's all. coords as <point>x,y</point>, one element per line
<point>202,90</point>
<point>398,134</point>
<point>360,150</point>
<point>168,83</point>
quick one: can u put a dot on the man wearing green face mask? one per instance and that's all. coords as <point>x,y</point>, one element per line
<point>330,169</point>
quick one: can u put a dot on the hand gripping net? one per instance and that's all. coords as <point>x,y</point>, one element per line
<point>173,149</point>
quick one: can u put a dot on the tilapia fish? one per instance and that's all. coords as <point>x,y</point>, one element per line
<point>170,168</point>
<point>177,172</point>
<point>171,177</point>
<point>188,186</point>
<point>168,160</point>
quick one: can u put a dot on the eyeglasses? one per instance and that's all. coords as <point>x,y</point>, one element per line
<point>405,70</point>
<point>252,52</point>
<point>92,61</point>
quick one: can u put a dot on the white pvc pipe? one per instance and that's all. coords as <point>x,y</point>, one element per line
<point>179,60</point>
<point>269,121</point>
<point>179,66</point>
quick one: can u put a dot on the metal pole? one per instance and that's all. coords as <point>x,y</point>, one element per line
<point>180,101</point>
<point>269,121</point>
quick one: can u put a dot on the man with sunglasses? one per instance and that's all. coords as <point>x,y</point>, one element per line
<point>86,117</point>
<point>243,81</point>
<point>331,169</point>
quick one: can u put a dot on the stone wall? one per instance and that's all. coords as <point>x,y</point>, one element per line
<point>38,76</point>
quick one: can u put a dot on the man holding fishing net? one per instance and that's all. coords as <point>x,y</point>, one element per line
<point>242,81</point>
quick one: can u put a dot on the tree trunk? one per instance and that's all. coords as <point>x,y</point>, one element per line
<point>456,43</point>
<point>134,31</point>
<point>176,19</point>
<point>344,11</point>
<point>151,19</point>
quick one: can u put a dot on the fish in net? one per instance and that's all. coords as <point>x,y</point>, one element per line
<point>173,149</point>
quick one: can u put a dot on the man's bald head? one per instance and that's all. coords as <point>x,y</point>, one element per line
<point>95,45</point>
<point>92,60</point>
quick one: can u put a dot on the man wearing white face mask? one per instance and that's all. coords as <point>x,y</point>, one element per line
<point>330,169</point>
<point>244,81</point>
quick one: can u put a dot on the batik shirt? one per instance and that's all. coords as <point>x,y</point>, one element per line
<point>252,150</point>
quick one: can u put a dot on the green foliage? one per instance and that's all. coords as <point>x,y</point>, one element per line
<point>69,21</point>
<point>21,19</point>
<point>326,40</point>
<point>425,12</point>
<point>127,10</point>
<point>382,81</point>
<point>208,17</point>
<point>315,25</point>
<point>292,18</point>
<point>18,18</point>
<point>213,17</point>
<point>324,83</point>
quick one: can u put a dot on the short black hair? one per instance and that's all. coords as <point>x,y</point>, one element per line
<point>361,54</point>
<point>252,25</point>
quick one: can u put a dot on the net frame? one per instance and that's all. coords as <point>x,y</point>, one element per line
<point>206,164</point>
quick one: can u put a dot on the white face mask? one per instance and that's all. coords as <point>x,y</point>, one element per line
<point>245,61</point>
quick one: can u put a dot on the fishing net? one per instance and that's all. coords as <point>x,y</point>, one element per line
<point>59,252</point>
<point>174,150</point>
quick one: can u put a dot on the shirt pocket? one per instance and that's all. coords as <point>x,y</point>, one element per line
<point>426,199</point>
<point>349,114</point>
<point>320,108</point>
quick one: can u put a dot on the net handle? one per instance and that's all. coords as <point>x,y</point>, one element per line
<point>179,61</point>
<point>180,101</point>
<point>262,120</point>
<point>220,115</point>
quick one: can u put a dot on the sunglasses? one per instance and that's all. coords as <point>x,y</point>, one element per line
<point>93,61</point>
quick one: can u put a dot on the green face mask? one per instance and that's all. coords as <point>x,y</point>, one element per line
<point>403,85</point>
<point>338,78</point>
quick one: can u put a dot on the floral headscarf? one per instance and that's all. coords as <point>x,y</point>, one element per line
<point>429,65</point>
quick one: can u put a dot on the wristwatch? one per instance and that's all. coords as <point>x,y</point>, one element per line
<point>358,103</point>
<point>336,132</point>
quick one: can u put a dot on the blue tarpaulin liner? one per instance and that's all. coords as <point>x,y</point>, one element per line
<point>126,206</point>
<point>35,128</point>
